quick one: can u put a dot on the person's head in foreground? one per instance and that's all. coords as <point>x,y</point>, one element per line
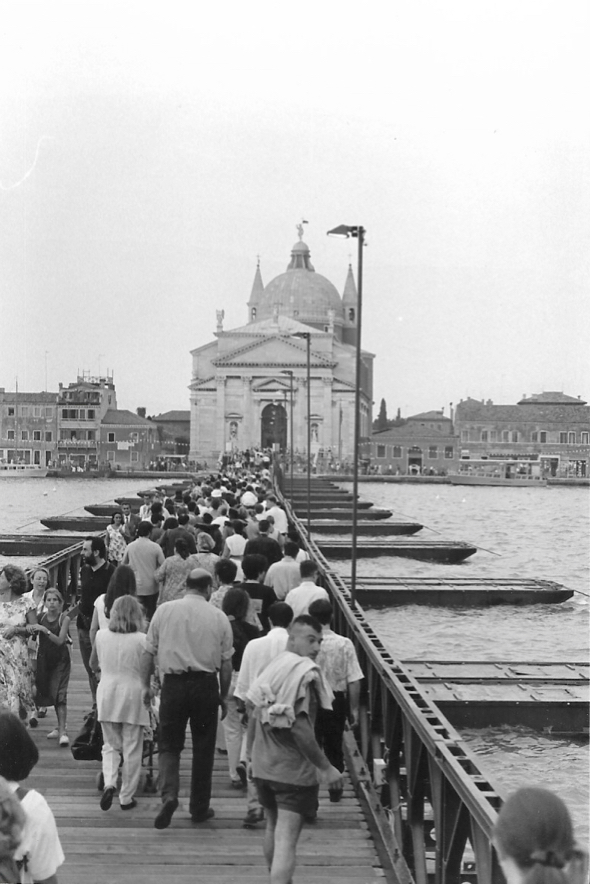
<point>305,637</point>
<point>534,840</point>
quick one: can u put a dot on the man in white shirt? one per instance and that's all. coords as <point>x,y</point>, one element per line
<point>145,557</point>
<point>257,655</point>
<point>249,498</point>
<point>278,514</point>
<point>301,597</point>
<point>285,575</point>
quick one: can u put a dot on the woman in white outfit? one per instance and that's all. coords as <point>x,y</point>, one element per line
<point>117,653</point>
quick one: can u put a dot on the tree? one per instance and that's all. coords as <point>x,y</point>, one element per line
<point>382,422</point>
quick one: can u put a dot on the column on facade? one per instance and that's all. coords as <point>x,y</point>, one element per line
<point>327,440</point>
<point>220,413</point>
<point>245,438</point>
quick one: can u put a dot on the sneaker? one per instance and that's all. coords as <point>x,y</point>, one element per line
<point>53,735</point>
<point>106,799</point>
<point>162,821</point>
<point>252,818</point>
<point>33,720</point>
<point>64,740</point>
<point>237,784</point>
<point>41,711</point>
<point>242,773</point>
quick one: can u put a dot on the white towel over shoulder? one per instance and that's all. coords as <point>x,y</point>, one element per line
<point>284,681</point>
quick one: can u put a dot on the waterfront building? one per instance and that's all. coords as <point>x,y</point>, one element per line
<point>28,427</point>
<point>550,429</point>
<point>127,441</point>
<point>241,382</point>
<point>173,432</point>
<point>424,444</point>
<point>82,406</point>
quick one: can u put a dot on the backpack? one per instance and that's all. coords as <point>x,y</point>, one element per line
<point>88,744</point>
<point>10,823</point>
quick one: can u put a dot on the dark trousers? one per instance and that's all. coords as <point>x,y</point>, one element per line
<point>329,729</point>
<point>85,652</point>
<point>148,603</point>
<point>192,697</point>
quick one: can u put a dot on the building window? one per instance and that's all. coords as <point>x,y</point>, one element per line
<point>484,435</point>
<point>351,314</point>
<point>534,437</point>
<point>515,436</point>
<point>82,414</point>
<point>464,435</point>
<point>10,435</point>
<point>563,438</point>
<point>37,457</point>
<point>10,411</point>
<point>253,314</point>
<point>24,434</point>
<point>49,413</point>
<point>110,455</point>
<point>49,437</point>
<point>493,436</point>
<point>542,436</point>
<point>381,451</point>
<point>91,413</point>
<point>571,438</point>
<point>111,437</point>
<point>134,456</point>
<point>505,436</point>
<point>37,411</point>
<point>36,436</point>
<point>134,437</point>
<point>449,452</point>
<point>397,451</point>
<point>24,411</point>
<point>91,435</point>
<point>585,438</point>
<point>433,452</point>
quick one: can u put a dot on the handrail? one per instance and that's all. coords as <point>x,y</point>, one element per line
<point>429,774</point>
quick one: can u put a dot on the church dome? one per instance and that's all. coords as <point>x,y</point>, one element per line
<point>300,292</point>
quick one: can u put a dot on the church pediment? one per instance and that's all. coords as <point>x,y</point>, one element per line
<point>276,351</point>
<point>272,385</point>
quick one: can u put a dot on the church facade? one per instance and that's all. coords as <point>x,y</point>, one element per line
<point>247,382</point>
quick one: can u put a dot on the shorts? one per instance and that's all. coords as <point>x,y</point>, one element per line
<point>287,796</point>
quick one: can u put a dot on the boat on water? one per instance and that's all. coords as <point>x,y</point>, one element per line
<point>22,471</point>
<point>490,471</point>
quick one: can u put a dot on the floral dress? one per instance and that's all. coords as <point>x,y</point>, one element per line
<point>117,545</point>
<point>16,676</point>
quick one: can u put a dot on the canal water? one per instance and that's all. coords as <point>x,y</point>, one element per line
<point>522,532</point>
<point>538,533</point>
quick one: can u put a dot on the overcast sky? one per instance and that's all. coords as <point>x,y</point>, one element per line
<point>149,153</point>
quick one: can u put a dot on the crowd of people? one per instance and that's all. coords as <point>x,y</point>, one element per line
<point>203,610</point>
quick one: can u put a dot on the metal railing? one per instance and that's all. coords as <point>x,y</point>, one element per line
<point>436,807</point>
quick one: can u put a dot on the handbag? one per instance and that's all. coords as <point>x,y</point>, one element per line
<point>88,744</point>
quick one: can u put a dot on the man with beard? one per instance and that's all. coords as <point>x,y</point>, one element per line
<point>95,574</point>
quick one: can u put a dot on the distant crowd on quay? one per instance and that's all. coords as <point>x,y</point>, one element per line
<point>203,609</point>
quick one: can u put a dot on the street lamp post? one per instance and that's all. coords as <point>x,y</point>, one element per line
<point>307,337</point>
<point>290,373</point>
<point>358,232</point>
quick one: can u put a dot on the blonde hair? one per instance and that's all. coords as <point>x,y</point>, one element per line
<point>126,615</point>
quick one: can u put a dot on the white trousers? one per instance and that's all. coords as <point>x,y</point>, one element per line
<point>121,738</point>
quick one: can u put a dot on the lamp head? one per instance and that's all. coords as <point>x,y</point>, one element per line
<point>344,231</point>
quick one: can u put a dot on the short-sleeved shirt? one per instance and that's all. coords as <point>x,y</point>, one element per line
<point>262,598</point>
<point>275,754</point>
<point>300,598</point>
<point>283,577</point>
<point>145,557</point>
<point>190,635</point>
<point>40,842</point>
<point>338,661</point>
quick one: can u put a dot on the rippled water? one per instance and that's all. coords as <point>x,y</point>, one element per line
<point>522,532</point>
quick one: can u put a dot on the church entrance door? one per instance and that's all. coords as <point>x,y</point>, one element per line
<point>274,426</point>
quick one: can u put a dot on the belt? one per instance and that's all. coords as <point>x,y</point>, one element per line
<point>191,673</point>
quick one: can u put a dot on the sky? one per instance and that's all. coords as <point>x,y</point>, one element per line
<point>149,153</point>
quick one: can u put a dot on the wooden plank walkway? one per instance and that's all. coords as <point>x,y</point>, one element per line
<point>122,847</point>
